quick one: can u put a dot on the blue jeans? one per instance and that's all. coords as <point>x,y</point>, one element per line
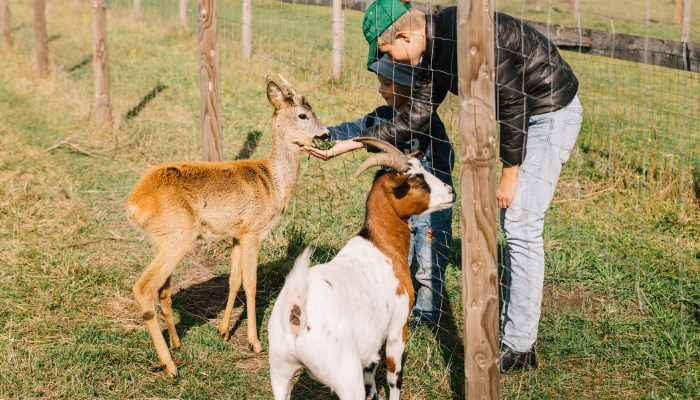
<point>431,235</point>
<point>551,138</point>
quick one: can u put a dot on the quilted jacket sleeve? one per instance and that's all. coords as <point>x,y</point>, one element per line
<point>513,110</point>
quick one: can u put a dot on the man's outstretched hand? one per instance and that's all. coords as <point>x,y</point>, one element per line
<point>341,146</point>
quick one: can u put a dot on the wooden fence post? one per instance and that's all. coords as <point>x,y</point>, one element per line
<point>338,43</point>
<point>678,11</point>
<point>42,52</point>
<point>5,23</point>
<point>685,27</point>
<point>100,63</point>
<point>575,12</point>
<point>183,14</point>
<point>209,85</point>
<point>477,156</point>
<point>247,30</point>
<point>137,8</point>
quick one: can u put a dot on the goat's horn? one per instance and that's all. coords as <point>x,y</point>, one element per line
<point>399,163</point>
<point>380,144</point>
<point>288,85</point>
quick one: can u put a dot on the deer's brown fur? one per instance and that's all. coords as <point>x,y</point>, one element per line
<point>178,203</point>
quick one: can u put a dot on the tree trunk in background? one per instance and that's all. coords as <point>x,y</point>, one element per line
<point>685,27</point>
<point>209,84</point>
<point>42,52</point>
<point>477,157</point>
<point>183,14</point>
<point>247,30</point>
<point>100,63</point>
<point>338,43</point>
<point>575,12</point>
<point>137,8</point>
<point>5,23</point>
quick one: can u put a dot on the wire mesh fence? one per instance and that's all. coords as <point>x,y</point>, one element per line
<point>620,300</point>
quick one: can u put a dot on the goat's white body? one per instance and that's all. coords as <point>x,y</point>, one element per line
<point>349,307</point>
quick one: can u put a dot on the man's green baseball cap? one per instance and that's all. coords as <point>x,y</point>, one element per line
<point>380,15</point>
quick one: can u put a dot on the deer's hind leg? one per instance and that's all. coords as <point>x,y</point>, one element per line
<point>234,282</point>
<point>152,280</point>
<point>166,308</point>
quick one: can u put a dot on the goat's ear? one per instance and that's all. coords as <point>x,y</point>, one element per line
<point>397,180</point>
<point>275,94</point>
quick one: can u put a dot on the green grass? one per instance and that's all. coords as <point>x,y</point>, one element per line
<point>621,233</point>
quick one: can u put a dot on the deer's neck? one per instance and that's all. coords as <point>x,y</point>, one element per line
<point>285,164</point>
<point>389,233</point>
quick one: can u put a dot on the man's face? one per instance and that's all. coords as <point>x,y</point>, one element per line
<point>406,49</point>
<point>394,94</point>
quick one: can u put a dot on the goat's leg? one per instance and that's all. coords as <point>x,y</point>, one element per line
<point>347,379</point>
<point>249,262</point>
<point>281,377</point>
<point>234,284</point>
<point>395,344</point>
<point>369,375</point>
<point>152,279</point>
<point>166,308</point>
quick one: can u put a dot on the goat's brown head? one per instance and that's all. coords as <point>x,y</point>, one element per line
<point>294,115</point>
<point>410,188</point>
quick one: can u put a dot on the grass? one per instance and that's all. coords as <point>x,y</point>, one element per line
<point>621,314</point>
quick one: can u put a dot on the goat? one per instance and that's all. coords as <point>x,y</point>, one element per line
<point>332,319</point>
<point>178,203</point>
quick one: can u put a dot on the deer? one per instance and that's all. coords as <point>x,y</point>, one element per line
<point>332,319</point>
<point>178,203</point>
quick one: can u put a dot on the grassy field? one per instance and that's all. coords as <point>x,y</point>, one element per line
<point>622,306</point>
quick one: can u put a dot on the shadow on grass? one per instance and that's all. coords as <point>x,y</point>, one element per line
<point>81,64</point>
<point>134,112</point>
<point>53,37</point>
<point>249,146</point>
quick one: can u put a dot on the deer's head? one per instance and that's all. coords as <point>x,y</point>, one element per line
<point>294,117</point>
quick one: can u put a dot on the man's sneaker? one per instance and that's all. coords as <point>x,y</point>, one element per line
<point>417,322</point>
<point>511,359</point>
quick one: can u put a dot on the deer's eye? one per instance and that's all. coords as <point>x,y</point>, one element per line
<point>302,116</point>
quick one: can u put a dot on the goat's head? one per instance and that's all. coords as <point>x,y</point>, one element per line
<point>410,188</point>
<point>294,115</point>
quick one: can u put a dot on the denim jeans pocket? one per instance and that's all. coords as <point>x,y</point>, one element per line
<point>572,127</point>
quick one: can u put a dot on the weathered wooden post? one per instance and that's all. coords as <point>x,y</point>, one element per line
<point>338,43</point>
<point>678,12</point>
<point>137,8</point>
<point>5,23</point>
<point>42,52</point>
<point>477,156</point>
<point>575,12</point>
<point>209,85</point>
<point>685,26</point>
<point>100,63</point>
<point>247,30</point>
<point>183,13</point>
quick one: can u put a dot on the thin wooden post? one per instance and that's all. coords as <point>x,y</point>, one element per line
<point>42,52</point>
<point>338,46</point>
<point>100,63</point>
<point>209,84</point>
<point>5,23</point>
<point>247,30</point>
<point>678,11</point>
<point>183,14</point>
<point>137,8</point>
<point>477,156</point>
<point>575,12</point>
<point>685,26</point>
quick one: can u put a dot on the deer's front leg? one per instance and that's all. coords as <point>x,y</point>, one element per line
<point>249,262</point>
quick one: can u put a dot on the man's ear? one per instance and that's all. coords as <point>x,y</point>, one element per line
<point>275,94</point>
<point>405,35</point>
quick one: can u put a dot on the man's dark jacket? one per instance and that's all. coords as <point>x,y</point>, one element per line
<point>531,79</point>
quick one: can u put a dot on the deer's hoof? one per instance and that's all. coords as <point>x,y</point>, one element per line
<point>255,347</point>
<point>224,336</point>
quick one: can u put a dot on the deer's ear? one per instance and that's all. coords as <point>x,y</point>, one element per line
<point>275,94</point>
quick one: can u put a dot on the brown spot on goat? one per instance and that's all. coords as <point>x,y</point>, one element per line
<point>390,364</point>
<point>329,284</point>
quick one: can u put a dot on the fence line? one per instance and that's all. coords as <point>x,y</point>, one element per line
<point>5,23</point>
<point>100,61</point>
<point>209,79</point>
<point>42,51</point>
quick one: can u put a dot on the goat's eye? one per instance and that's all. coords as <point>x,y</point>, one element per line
<point>416,186</point>
<point>302,116</point>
